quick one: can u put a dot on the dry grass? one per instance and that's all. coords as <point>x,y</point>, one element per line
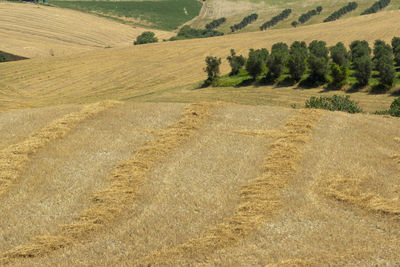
<point>14,158</point>
<point>126,177</point>
<point>25,30</point>
<point>144,72</point>
<point>351,190</point>
<point>260,197</point>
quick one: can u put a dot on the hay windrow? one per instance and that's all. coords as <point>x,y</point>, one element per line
<point>349,190</point>
<point>125,180</point>
<point>260,198</point>
<point>14,158</point>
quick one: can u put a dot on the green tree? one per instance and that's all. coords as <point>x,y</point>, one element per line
<point>278,59</point>
<point>297,62</point>
<point>386,71</point>
<point>340,74</point>
<point>363,69</point>
<point>381,49</point>
<point>359,49</point>
<point>339,54</point>
<point>318,61</point>
<point>145,38</point>
<point>255,64</point>
<point>236,62</point>
<point>212,68</point>
<point>396,49</point>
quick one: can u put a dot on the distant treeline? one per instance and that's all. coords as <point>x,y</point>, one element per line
<point>215,23</point>
<point>283,15</point>
<point>377,6</point>
<point>186,32</point>
<point>343,11</point>
<point>307,16</point>
<point>246,21</point>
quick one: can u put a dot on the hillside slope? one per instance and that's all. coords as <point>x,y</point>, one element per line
<point>236,10</point>
<point>41,31</point>
<point>146,70</point>
<point>143,184</point>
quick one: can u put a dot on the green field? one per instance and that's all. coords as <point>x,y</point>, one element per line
<point>163,15</point>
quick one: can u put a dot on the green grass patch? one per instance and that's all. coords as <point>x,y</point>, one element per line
<point>235,80</point>
<point>163,15</point>
<point>334,103</point>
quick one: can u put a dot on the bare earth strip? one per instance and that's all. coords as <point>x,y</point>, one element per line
<point>14,158</point>
<point>107,204</point>
<point>41,31</point>
<point>260,197</point>
<point>144,70</point>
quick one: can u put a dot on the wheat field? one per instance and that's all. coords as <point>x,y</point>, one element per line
<point>112,157</point>
<point>31,31</point>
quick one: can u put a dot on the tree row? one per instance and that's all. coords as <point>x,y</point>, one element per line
<point>283,15</point>
<point>307,16</point>
<point>215,23</point>
<point>246,21</point>
<point>341,12</point>
<point>377,6</point>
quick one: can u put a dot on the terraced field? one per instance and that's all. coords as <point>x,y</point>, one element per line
<point>115,158</point>
<point>30,30</point>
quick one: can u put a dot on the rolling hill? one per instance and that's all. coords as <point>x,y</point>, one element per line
<point>114,157</point>
<point>42,31</point>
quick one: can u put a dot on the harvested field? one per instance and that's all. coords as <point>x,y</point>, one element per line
<point>31,31</point>
<point>147,71</point>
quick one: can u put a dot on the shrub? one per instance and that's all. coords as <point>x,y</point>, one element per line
<point>215,23</point>
<point>395,108</point>
<point>212,68</point>
<point>236,62</point>
<point>339,54</point>
<point>340,74</point>
<point>396,49</point>
<point>278,59</point>
<point>363,69</point>
<point>334,103</point>
<point>294,23</point>
<point>283,15</point>
<point>297,62</point>
<point>337,14</point>
<point>377,6</point>
<point>246,21</point>
<point>255,64</point>
<point>186,32</point>
<point>145,38</point>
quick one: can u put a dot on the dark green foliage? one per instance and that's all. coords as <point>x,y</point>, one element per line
<point>395,108</point>
<point>236,62</point>
<point>383,61</point>
<point>334,103</point>
<point>246,21</point>
<point>277,60</point>
<point>340,74</point>
<point>255,64</point>
<point>396,49</point>
<point>363,68</point>
<point>297,62</point>
<point>186,32</point>
<point>294,23</point>
<point>307,16</point>
<point>212,68</point>
<point>337,14</point>
<point>377,6</point>
<point>215,23</point>
<point>283,15</point>
<point>359,49</point>
<point>318,61</point>
<point>146,38</point>
<point>339,54</point>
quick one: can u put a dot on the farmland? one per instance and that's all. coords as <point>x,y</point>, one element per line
<point>117,157</point>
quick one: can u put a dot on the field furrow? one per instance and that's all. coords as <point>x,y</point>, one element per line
<point>14,158</point>
<point>105,205</point>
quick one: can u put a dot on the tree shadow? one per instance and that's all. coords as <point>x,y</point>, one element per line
<point>378,89</point>
<point>245,83</point>
<point>288,81</point>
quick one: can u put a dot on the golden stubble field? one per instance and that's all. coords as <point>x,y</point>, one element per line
<point>111,158</point>
<point>31,31</point>
<point>150,70</point>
